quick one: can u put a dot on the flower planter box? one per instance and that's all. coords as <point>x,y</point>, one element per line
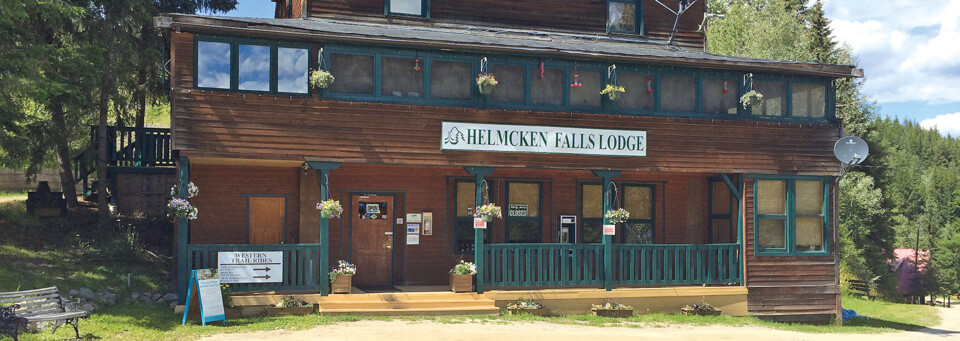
<point>618,313</point>
<point>232,313</point>
<point>297,311</point>
<point>461,283</point>
<point>686,311</point>
<point>342,284</point>
<point>535,312</point>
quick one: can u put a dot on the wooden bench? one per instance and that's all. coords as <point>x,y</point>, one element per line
<point>861,288</point>
<point>43,305</point>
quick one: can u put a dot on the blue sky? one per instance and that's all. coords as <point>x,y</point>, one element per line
<point>909,50</point>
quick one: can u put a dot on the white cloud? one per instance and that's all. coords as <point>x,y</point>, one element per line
<point>910,50</point>
<point>946,124</point>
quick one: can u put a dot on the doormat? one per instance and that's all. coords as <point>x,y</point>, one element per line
<point>378,289</point>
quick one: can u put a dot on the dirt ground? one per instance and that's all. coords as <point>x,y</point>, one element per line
<point>436,331</point>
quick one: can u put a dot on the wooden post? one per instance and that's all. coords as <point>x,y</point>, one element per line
<point>183,230</point>
<point>323,175</point>
<point>479,172</point>
<point>607,240</point>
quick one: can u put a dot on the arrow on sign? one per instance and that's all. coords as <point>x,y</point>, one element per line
<point>264,276</point>
<point>264,269</point>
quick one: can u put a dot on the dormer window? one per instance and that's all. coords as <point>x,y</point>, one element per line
<point>416,8</point>
<point>625,16</point>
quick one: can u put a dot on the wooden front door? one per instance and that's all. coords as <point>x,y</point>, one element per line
<point>372,239</point>
<point>267,219</point>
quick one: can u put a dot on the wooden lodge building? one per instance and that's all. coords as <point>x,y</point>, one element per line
<point>729,204</point>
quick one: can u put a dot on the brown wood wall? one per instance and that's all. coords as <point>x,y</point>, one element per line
<point>789,285</point>
<point>566,15</point>
<point>222,207</point>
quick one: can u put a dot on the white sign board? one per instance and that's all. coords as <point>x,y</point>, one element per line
<point>609,230</point>
<point>211,301</point>
<point>542,139</point>
<point>250,266</point>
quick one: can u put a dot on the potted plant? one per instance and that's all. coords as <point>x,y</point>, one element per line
<point>461,277</point>
<point>527,307</point>
<point>341,277</point>
<point>613,91</point>
<point>612,309</point>
<point>751,98</point>
<point>330,209</point>
<point>702,309</point>
<point>290,305</point>
<point>617,216</point>
<point>487,212</point>
<point>486,82</point>
<point>321,79</point>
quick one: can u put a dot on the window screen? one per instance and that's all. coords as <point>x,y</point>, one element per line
<point>354,73</point>
<point>213,65</point>
<point>549,89</point>
<point>509,83</point>
<point>808,100</point>
<point>774,97</point>
<point>636,96</point>
<point>451,80</point>
<point>678,93</point>
<point>292,70</point>
<point>720,96</point>
<point>588,94</point>
<point>399,78</point>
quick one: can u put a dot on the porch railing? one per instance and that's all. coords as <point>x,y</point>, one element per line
<point>676,264</point>
<point>300,264</point>
<point>581,265</point>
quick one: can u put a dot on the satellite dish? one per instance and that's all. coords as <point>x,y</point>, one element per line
<point>851,150</point>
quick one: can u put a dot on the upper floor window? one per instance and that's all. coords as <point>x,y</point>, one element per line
<point>418,8</point>
<point>251,65</point>
<point>624,16</point>
<point>213,65</point>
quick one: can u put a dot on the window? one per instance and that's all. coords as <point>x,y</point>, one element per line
<point>791,216</point>
<point>463,232</point>
<point>774,98</point>
<point>251,65</point>
<point>588,94</point>
<point>547,89</point>
<point>213,65</point>
<point>623,16</point>
<point>522,213</point>
<point>808,100</point>
<point>416,8</point>
<point>400,77</point>
<point>639,200</point>
<point>720,96</point>
<point>254,67</point>
<point>592,214</point>
<point>451,80</point>
<point>510,83</point>
<point>722,209</point>
<point>354,73</point>
<point>293,67</point>
<point>637,96</point>
<point>678,93</point>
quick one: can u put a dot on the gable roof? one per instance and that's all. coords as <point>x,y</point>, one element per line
<point>491,39</point>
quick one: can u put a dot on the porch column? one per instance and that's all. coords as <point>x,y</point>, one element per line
<point>737,192</point>
<point>479,172</point>
<point>607,176</point>
<point>323,175</point>
<point>183,231</point>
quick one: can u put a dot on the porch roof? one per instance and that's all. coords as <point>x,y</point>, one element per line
<point>492,39</point>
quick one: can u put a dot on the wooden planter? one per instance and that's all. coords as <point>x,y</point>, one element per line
<point>297,311</point>
<point>342,284</point>
<point>461,283</point>
<point>618,313</point>
<point>232,313</point>
<point>535,312</point>
<point>686,311</point>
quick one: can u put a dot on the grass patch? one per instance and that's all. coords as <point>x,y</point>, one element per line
<point>13,195</point>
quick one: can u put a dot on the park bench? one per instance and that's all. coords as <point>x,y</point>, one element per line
<point>40,305</point>
<point>861,288</point>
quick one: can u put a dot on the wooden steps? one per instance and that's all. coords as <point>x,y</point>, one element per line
<point>400,303</point>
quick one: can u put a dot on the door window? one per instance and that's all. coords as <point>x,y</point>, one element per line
<point>522,212</point>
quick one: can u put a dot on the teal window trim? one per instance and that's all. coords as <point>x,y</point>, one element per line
<point>286,211</point>
<point>790,217</point>
<point>732,85</point>
<point>235,62</point>
<point>829,100</point>
<point>711,207</point>
<point>424,10</point>
<point>621,200</point>
<point>507,219</point>
<point>638,15</point>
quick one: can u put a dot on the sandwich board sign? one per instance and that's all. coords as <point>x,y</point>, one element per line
<point>250,266</point>
<point>206,284</point>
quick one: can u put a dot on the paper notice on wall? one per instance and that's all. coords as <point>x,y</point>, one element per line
<point>609,230</point>
<point>413,239</point>
<point>479,223</point>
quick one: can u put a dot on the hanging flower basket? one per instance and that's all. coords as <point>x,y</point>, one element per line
<point>487,212</point>
<point>613,92</point>
<point>330,209</point>
<point>181,209</point>
<point>751,98</point>
<point>321,79</point>
<point>192,190</point>
<point>486,82</point>
<point>617,216</point>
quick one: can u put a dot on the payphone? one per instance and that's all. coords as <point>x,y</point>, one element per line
<point>568,229</point>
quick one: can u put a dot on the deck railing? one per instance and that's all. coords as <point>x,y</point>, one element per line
<point>300,264</point>
<point>581,265</point>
